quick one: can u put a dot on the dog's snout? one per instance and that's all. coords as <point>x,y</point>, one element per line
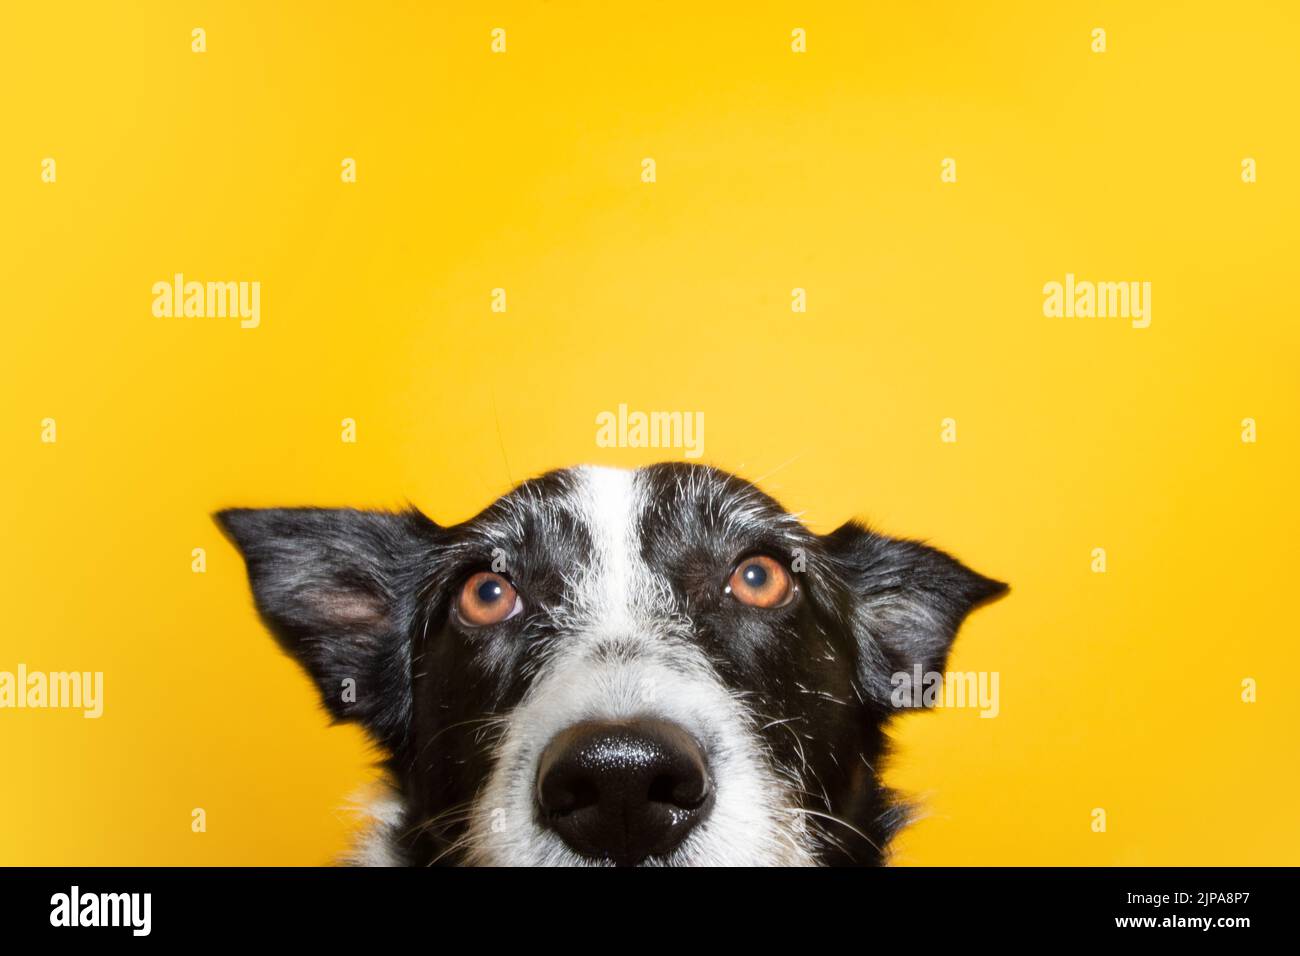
<point>623,791</point>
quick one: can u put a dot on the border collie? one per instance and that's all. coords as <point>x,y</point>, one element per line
<point>659,667</point>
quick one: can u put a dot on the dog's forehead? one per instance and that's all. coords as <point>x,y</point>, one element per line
<point>596,496</point>
<point>598,501</point>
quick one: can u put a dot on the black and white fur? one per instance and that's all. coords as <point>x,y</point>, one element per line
<point>621,574</point>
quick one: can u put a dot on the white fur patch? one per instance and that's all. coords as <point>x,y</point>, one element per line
<point>384,814</point>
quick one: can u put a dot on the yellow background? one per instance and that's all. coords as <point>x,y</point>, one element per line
<point>775,171</point>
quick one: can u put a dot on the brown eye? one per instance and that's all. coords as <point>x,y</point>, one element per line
<point>760,581</point>
<point>487,598</point>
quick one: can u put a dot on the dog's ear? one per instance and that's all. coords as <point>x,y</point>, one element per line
<point>905,603</point>
<point>337,588</point>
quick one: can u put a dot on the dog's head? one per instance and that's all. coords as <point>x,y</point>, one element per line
<point>659,666</point>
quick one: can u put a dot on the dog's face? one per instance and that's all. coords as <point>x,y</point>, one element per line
<point>659,666</point>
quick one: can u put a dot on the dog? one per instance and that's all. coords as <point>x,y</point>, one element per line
<point>609,667</point>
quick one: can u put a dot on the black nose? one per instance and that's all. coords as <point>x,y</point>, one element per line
<point>623,791</point>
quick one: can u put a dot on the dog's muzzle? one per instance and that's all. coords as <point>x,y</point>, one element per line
<point>623,792</point>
